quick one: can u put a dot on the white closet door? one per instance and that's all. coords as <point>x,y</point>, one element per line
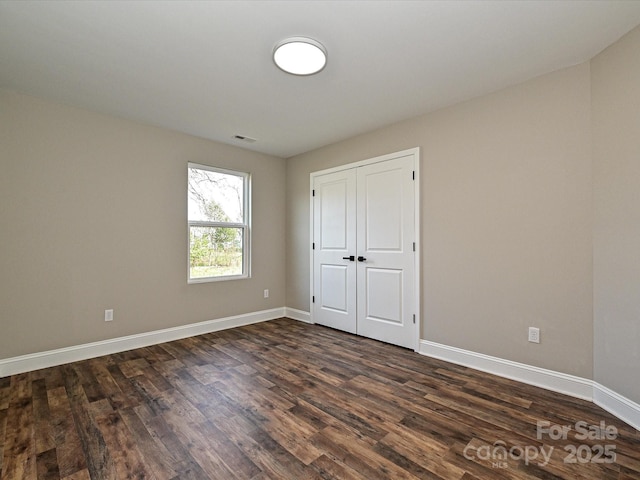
<point>363,256</point>
<point>334,237</point>
<point>385,238</point>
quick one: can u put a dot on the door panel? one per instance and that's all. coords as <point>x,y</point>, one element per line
<point>334,287</point>
<point>333,211</point>
<point>382,207</point>
<point>385,198</point>
<point>334,236</point>
<point>385,306</point>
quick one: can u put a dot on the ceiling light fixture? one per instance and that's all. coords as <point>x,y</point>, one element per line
<point>300,56</point>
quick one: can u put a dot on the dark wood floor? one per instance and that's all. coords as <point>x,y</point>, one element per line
<point>286,400</point>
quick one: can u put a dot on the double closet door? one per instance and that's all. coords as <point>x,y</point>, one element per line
<point>364,242</point>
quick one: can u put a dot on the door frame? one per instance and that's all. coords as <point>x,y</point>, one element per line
<point>415,152</point>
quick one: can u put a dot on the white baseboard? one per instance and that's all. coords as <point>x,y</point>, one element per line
<point>51,358</point>
<point>539,377</point>
<point>297,315</point>
<point>626,410</point>
<point>614,403</point>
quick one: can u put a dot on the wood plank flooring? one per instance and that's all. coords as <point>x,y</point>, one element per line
<point>287,400</point>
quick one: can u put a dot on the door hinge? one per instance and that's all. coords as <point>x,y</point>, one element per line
<point>313,193</point>
<point>413,175</point>
<point>313,300</point>
<point>414,318</point>
<point>313,246</point>
<point>414,246</point>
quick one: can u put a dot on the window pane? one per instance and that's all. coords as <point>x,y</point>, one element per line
<point>215,251</point>
<point>215,196</point>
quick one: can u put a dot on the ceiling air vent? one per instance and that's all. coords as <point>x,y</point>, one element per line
<point>245,138</point>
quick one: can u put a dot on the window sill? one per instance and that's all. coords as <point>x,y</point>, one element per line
<point>216,279</point>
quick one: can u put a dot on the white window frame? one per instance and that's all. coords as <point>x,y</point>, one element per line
<point>245,226</point>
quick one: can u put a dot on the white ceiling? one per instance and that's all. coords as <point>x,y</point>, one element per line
<point>205,68</point>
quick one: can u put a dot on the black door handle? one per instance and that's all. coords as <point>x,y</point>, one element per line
<point>361,259</point>
<point>351,258</point>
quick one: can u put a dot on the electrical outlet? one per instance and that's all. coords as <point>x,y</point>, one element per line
<point>534,335</point>
<point>108,315</point>
<point>266,293</point>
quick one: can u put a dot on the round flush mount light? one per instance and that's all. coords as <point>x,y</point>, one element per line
<point>300,56</point>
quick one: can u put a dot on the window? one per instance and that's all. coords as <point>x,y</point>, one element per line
<point>218,214</point>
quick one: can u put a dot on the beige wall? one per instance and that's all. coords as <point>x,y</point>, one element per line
<point>506,219</point>
<point>93,216</point>
<point>616,166</point>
